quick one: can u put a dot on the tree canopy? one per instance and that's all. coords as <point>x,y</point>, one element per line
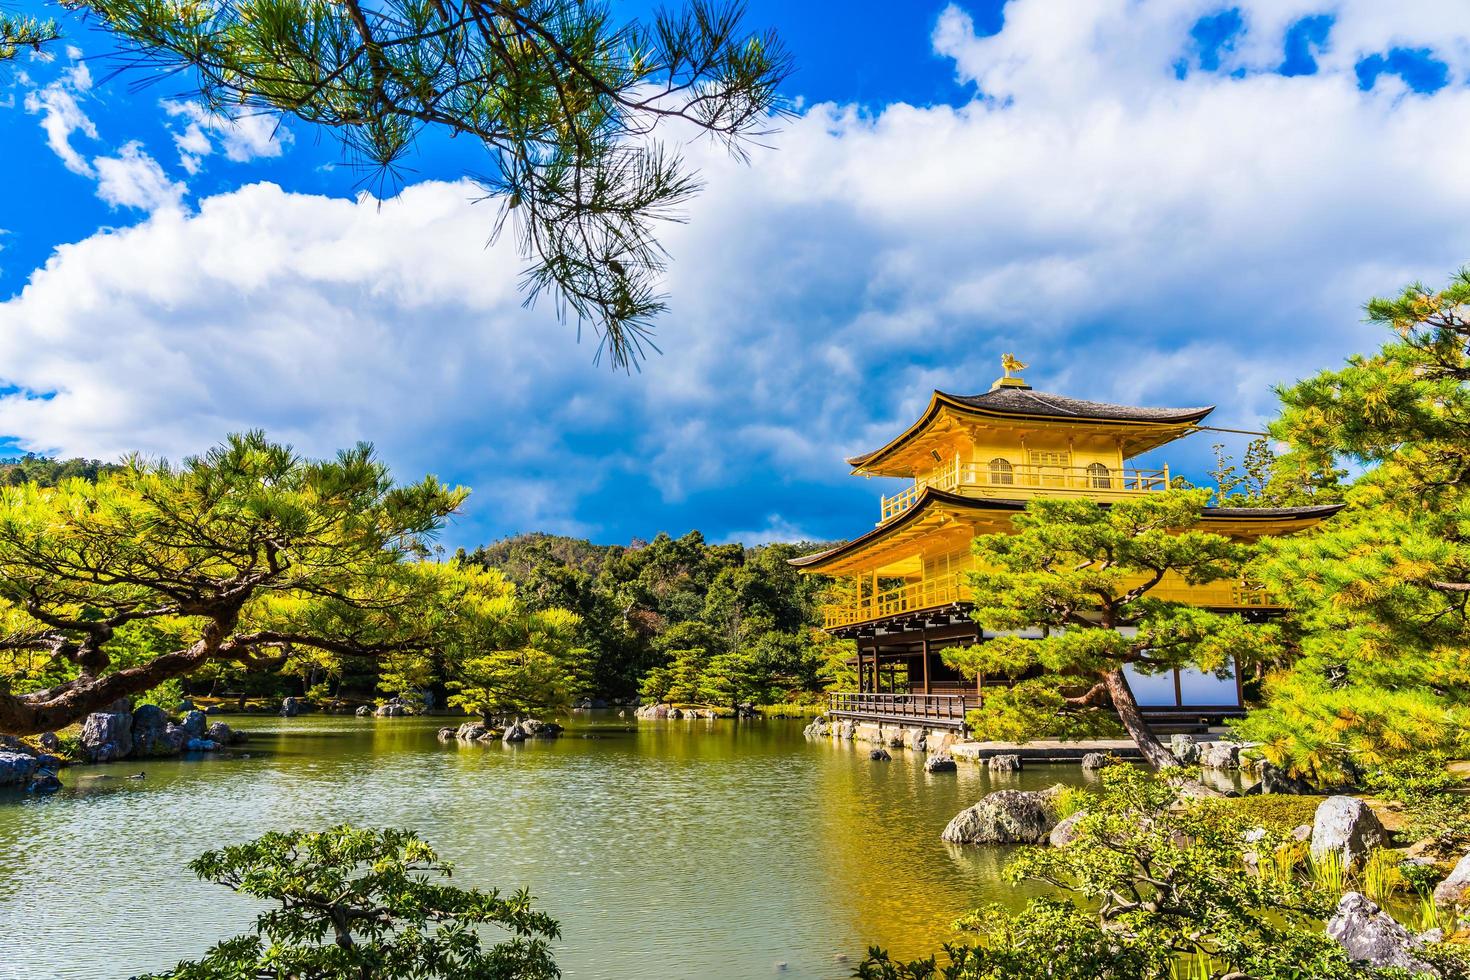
<point>1085,574</point>
<point>243,555</point>
<point>567,101</point>
<point>19,33</point>
<point>1382,594</point>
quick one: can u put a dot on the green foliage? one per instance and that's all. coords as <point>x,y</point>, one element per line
<point>243,556</point>
<point>1380,595</point>
<point>566,102</point>
<point>1435,802</point>
<point>356,903</point>
<point>1265,480</point>
<point>677,619</point>
<point>1152,887</point>
<point>1083,572</point>
<point>519,662</point>
<point>17,33</point>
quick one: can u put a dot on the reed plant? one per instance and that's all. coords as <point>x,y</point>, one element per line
<point>1328,872</point>
<point>1381,876</point>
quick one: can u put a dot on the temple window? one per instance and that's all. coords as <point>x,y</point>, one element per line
<point>1099,477</point>
<point>1000,471</point>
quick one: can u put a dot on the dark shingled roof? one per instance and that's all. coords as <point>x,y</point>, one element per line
<point>1025,401</point>
<point>931,495</point>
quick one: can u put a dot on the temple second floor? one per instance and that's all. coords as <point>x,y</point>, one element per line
<point>921,561</point>
<point>1015,443</point>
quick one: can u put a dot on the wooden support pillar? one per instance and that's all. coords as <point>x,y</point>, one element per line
<point>924,646</point>
<point>862,689</point>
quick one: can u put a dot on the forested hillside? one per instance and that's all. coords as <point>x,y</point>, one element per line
<point>678,618</point>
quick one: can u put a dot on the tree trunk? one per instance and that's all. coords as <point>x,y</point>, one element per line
<point>1155,753</point>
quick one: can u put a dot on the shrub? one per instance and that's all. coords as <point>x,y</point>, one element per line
<point>374,895</point>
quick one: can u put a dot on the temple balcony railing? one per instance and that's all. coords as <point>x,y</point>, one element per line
<point>954,588</point>
<point>1021,481</point>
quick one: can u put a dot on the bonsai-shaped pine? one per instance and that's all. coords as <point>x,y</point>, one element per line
<point>1087,575</point>
<point>1152,887</point>
<point>358,903</point>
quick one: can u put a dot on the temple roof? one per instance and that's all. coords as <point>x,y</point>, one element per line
<point>1028,402</point>
<point>1242,521</point>
<point>1155,426</point>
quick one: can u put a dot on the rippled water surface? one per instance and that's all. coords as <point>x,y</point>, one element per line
<point>666,849</point>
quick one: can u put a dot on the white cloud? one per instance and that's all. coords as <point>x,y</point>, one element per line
<point>133,179</point>
<point>61,114</point>
<point>1133,236</point>
<point>242,138</point>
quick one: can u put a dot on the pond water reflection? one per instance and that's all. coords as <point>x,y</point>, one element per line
<point>666,849</point>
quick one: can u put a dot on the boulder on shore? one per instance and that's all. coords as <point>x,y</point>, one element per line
<point>652,711</point>
<point>1371,935</point>
<point>1005,763</point>
<point>1347,826</point>
<point>940,763</point>
<point>108,735</point>
<point>390,710</point>
<point>150,732</point>
<point>1008,816</point>
<point>364,711</point>
<point>1455,890</point>
<point>49,741</point>
<point>16,768</point>
<point>1065,832</point>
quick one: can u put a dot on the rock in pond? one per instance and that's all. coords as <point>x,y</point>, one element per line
<point>1009,816</point>
<point>364,711</point>
<point>469,731</point>
<point>201,745</point>
<point>44,783</point>
<point>1219,755</point>
<point>108,735</point>
<point>1455,890</point>
<point>1371,935</point>
<point>819,728</point>
<point>390,710</point>
<point>652,711</point>
<point>194,724</point>
<point>223,734</point>
<point>1184,747</point>
<point>290,707</point>
<point>1093,761</point>
<point>940,763</point>
<point>1347,826</point>
<point>1005,763</point>
<point>514,733</point>
<point>879,755</point>
<point>16,768</point>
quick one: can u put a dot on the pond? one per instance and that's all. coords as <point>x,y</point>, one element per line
<point>666,849</point>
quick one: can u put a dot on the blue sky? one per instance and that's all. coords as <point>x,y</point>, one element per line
<point>1152,202</point>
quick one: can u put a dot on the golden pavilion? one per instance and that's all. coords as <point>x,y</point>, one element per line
<point>975,460</point>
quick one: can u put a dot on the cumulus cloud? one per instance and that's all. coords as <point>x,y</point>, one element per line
<point>241,138</point>
<point>1136,231</point>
